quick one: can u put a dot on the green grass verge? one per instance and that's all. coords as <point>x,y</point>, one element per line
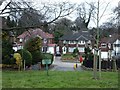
<point>67,57</point>
<point>57,79</point>
<point>0,79</point>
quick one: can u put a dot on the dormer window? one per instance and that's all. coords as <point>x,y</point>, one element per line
<point>72,42</point>
<point>81,42</point>
<point>103,45</point>
<point>89,42</point>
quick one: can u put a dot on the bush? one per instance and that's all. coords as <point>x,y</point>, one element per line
<point>33,44</point>
<point>75,52</point>
<point>36,57</point>
<point>6,52</point>
<point>26,55</point>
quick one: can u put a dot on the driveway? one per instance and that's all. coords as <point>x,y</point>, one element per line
<point>64,66</point>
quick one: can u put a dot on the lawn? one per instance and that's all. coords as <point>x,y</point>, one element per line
<point>57,79</point>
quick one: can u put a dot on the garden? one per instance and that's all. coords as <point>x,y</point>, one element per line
<point>27,56</point>
<point>68,57</point>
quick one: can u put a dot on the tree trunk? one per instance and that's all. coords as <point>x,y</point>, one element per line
<point>95,66</point>
<point>99,64</point>
<point>114,65</point>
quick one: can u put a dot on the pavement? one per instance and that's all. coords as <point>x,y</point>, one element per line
<point>58,65</point>
<point>64,66</point>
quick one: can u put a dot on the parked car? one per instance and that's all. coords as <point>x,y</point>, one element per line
<point>58,54</point>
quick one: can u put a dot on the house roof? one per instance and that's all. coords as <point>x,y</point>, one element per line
<point>35,32</point>
<point>51,45</point>
<point>114,37</point>
<point>111,39</point>
<point>81,35</point>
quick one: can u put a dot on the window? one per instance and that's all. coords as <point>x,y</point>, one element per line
<point>81,49</point>
<point>103,45</point>
<point>71,42</point>
<point>71,49</point>
<point>117,45</point>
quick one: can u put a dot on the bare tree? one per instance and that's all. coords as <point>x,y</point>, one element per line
<point>1,2</point>
<point>84,14</point>
<point>117,18</point>
<point>117,11</point>
<point>97,17</point>
<point>50,12</point>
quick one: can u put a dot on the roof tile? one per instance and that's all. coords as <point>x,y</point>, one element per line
<point>34,32</point>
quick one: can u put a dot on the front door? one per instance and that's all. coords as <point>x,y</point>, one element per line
<point>64,50</point>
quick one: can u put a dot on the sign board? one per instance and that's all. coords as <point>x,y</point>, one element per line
<point>46,61</point>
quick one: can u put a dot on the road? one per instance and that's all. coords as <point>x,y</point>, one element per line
<point>64,66</point>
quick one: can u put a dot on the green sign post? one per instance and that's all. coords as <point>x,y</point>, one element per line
<point>46,62</point>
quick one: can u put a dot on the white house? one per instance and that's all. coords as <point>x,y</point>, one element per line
<point>72,40</point>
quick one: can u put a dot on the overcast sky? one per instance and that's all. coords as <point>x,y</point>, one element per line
<point>107,14</point>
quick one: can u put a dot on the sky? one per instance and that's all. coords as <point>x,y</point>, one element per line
<point>106,17</point>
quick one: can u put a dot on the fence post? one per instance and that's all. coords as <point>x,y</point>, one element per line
<point>114,65</point>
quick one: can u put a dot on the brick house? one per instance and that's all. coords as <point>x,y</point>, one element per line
<point>110,46</point>
<point>47,39</point>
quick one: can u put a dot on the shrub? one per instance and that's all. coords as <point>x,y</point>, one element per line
<point>18,58</point>
<point>36,56</point>
<point>33,44</point>
<point>75,52</point>
<point>26,55</point>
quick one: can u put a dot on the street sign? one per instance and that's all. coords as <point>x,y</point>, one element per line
<point>46,61</point>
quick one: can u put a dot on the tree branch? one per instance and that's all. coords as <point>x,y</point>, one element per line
<point>5,7</point>
<point>104,10</point>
